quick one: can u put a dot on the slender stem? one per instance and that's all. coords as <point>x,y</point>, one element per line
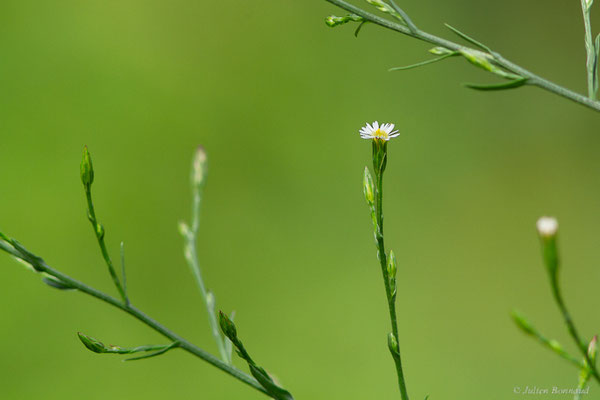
<point>141,316</point>
<point>581,345</point>
<point>191,238</point>
<point>99,231</point>
<point>532,79</point>
<point>590,50</point>
<point>381,254</point>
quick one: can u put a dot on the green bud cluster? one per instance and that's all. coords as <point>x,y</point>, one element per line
<point>332,21</point>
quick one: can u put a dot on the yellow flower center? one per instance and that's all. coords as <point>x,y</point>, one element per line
<point>379,134</point>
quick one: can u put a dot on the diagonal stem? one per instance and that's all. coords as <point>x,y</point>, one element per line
<point>41,266</point>
<point>581,345</point>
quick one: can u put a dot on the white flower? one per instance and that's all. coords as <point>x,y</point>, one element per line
<point>547,226</point>
<point>383,132</point>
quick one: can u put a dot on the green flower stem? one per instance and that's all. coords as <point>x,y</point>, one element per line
<point>379,166</point>
<point>532,79</point>
<point>191,238</point>
<point>141,316</point>
<point>583,347</point>
<point>99,231</point>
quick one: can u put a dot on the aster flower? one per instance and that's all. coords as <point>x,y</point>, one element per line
<point>384,132</point>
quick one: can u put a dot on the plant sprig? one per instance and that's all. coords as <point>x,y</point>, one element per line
<point>190,236</point>
<point>373,191</point>
<point>58,280</point>
<point>484,58</point>
<point>548,231</point>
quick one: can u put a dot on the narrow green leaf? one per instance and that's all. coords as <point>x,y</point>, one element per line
<point>27,255</point>
<point>359,28</point>
<point>228,344</point>
<point>420,64</point>
<point>469,39</point>
<point>156,353</point>
<point>259,373</point>
<point>265,380</point>
<point>57,284</point>
<point>500,86</point>
<point>596,64</point>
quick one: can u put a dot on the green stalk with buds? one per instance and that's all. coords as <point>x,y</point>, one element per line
<point>476,53</point>
<point>373,191</point>
<point>87,178</point>
<point>259,380</point>
<point>190,236</point>
<point>548,232</point>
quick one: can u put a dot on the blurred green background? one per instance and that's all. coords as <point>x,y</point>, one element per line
<point>277,98</point>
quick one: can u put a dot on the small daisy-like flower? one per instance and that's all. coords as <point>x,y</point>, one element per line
<point>384,132</point>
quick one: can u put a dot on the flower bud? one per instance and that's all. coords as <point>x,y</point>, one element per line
<point>547,227</point>
<point>227,327</point>
<point>369,187</point>
<point>522,323</point>
<point>440,51</point>
<point>382,6</point>
<point>393,345</point>
<point>92,344</point>
<point>184,229</point>
<point>199,166</point>
<point>100,230</point>
<point>333,21</point>
<point>87,170</point>
<point>593,348</point>
<point>391,270</point>
<point>479,59</point>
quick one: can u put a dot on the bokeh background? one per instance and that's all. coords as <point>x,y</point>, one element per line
<point>277,98</point>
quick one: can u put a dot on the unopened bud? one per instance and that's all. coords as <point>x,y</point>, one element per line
<point>382,6</point>
<point>547,227</point>
<point>440,51</point>
<point>522,323</point>
<point>369,187</point>
<point>199,166</point>
<point>333,21</point>
<point>479,59</point>
<point>87,170</point>
<point>227,326</point>
<point>393,345</point>
<point>554,345</point>
<point>100,230</point>
<point>92,344</point>
<point>391,270</point>
<point>183,229</point>
<point>593,348</point>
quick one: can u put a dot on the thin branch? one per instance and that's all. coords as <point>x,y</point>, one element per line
<point>40,266</point>
<point>532,79</point>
